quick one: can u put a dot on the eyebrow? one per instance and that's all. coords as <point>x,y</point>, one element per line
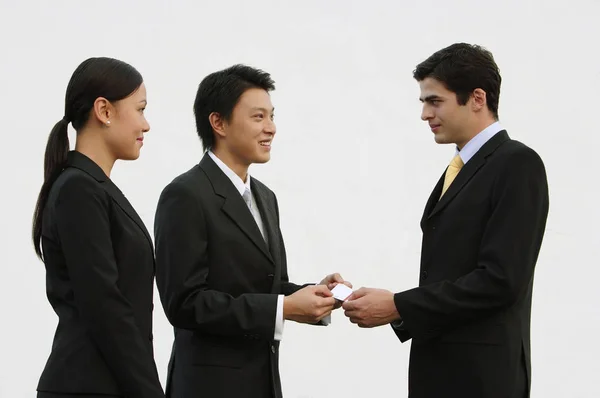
<point>262,109</point>
<point>144,102</point>
<point>430,98</point>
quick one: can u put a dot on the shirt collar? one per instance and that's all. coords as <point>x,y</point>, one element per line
<point>478,141</point>
<point>239,184</point>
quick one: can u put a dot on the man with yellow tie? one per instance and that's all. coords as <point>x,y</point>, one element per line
<point>483,225</point>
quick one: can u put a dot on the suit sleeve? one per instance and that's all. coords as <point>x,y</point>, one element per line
<point>82,214</point>
<point>287,287</point>
<point>182,275</point>
<point>507,255</point>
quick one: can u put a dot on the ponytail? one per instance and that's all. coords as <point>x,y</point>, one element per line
<point>57,150</point>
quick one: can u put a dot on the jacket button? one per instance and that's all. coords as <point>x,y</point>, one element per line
<point>424,274</point>
<point>272,348</point>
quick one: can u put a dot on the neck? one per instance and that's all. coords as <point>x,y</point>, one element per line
<point>88,144</point>
<point>475,129</point>
<point>240,168</point>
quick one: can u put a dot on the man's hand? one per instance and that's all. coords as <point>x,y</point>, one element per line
<point>371,307</point>
<point>308,305</point>
<point>331,281</point>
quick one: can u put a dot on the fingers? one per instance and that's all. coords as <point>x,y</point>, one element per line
<point>324,307</point>
<point>358,318</point>
<point>358,294</point>
<point>336,278</point>
<point>322,290</point>
<point>349,305</point>
<point>334,284</point>
<point>332,279</point>
<point>326,302</point>
<point>353,317</point>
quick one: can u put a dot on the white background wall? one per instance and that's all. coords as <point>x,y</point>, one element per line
<point>352,163</point>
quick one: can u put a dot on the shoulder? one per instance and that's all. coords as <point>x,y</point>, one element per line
<point>190,181</point>
<point>515,163</point>
<point>513,151</point>
<point>513,159</point>
<point>187,188</point>
<point>75,184</point>
<point>262,186</point>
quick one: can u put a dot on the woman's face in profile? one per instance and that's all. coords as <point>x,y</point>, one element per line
<point>128,125</point>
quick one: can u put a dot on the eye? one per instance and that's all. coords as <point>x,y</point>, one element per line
<point>259,116</point>
<point>142,110</point>
<point>273,116</point>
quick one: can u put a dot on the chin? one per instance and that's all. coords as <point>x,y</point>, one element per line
<point>440,139</point>
<point>263,158</point>
<point>131,156</point>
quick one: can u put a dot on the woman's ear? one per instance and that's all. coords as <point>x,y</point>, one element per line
<point>102,111</point>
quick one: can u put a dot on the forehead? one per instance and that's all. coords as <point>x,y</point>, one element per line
<point>139,95</point>
<point>431,87</point>
<point>255,98</point>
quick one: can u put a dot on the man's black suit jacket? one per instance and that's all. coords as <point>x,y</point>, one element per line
<point>218,281</point>
<point>99,278</point>
<point>469,319</point>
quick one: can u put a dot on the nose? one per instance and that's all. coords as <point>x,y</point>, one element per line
<point>426,113</point>
<point>146,126</point>
<point>270,127</point>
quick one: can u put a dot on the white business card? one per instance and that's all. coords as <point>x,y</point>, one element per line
<point>341,292</point>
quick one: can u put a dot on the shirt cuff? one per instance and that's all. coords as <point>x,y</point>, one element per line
<point>279,319</point>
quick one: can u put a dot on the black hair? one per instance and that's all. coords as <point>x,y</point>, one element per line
<point>462,68</point>
<point>220,91</point>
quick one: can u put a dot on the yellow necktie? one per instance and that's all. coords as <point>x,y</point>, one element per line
<point>455,165</point>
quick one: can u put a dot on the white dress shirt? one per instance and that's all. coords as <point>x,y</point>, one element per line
<point>478,141</point>
<point>241,187</point>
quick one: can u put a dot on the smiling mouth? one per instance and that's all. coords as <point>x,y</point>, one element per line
<point>265,143</point>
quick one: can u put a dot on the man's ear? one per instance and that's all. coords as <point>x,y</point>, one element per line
<point>217,123</point>
<point>478,100</point>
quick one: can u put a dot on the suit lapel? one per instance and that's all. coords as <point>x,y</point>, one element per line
<point>271,225</point>
<point>433,199</point>
<point>268,216</point>
<point>82,162</point>
<point>467,172</point>
<point>124,204</point>
<point>234,206</point>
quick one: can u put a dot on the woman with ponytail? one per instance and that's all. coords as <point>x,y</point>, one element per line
<point>97,252</point>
